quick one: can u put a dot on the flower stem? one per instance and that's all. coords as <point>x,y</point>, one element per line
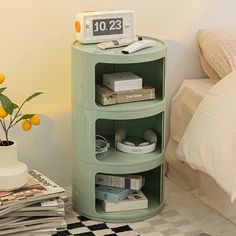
<point>11,124</point>
<point>5,130</point>
<point>16,115</point>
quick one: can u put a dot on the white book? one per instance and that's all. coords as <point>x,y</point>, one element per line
<point>134,182</point>
<point>122,81</point>
<point>134,201</point>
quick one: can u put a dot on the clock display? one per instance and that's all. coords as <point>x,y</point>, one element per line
<point>107,26</point>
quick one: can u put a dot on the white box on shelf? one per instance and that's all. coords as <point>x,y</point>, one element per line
<point>134,201</point>
<point>122,81</point>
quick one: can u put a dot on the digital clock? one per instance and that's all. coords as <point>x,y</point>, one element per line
<point>107,26</point>
<point>96,27</point>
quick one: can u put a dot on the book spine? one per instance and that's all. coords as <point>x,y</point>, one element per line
<point>119,182</point>
<point>136,95</point>
<point>109,97</point>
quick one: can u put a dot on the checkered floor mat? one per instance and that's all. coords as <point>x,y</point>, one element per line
<point>88,227</point>
<point>168,223</point>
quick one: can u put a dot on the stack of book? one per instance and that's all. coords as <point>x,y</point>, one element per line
<point>120,192</point>
<point>122,88</point>
<point>38,208</point>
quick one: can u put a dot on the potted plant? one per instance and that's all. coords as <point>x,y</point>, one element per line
<point>13,174</point>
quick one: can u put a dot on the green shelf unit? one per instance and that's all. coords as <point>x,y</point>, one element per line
<point>89,118</point>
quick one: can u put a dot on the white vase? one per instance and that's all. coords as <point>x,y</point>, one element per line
<point>13,173</point>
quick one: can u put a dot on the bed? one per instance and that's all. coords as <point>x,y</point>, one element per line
<point>185,110</point>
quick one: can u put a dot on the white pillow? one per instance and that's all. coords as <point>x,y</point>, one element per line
<point>217,51</point>
<point>209,142</point>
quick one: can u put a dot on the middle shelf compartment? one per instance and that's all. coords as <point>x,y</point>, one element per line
<point>135,130</point>
<point>88,124</point>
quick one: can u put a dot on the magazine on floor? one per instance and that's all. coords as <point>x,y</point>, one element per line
<point>27,221</point>
<point>39,187</point>
<point>37,207</point>
<point>45,205</point>
<point>31,226</point>
<point>51,207</point>
<point>58,212</point>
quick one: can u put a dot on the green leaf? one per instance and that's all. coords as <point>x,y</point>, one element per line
<point>32,96</point>
<point>26,116</point>
<point>2,89</point>
<point>7,104</point>
<point>15,106</point>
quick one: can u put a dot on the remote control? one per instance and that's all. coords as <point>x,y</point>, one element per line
<point>134,47</point>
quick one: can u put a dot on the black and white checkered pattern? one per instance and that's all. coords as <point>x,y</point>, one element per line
<point>168,223</point>
<point>87,227</point>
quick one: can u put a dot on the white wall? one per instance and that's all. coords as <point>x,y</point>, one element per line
<point>35,38</point>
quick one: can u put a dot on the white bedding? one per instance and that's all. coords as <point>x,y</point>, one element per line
<point>209,142</point>
<point>217,51</point>
<point>201,185</point>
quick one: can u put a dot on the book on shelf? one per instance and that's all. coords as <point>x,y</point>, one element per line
<point>111,194</point>
<point>134,182</point>
<point>106,96</point>
<point>39,206</point>
<point>136,200</point>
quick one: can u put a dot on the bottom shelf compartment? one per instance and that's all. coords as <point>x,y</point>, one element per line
<point>152,190</point>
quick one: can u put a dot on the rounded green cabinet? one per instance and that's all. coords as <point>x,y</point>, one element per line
<point>90,118</point>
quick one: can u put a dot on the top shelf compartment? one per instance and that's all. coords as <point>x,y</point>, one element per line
<point>149,64</point>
